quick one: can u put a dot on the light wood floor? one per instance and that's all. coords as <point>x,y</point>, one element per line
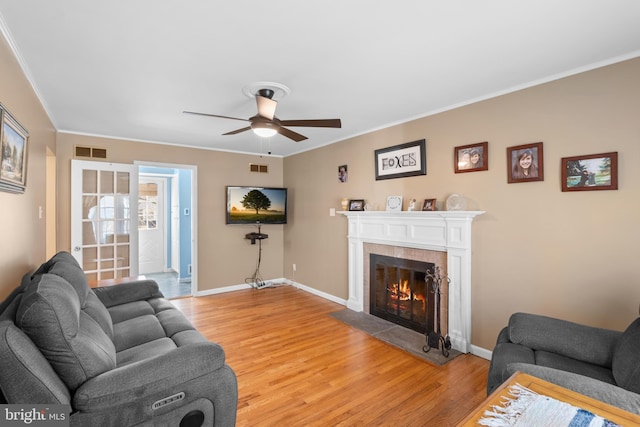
<point>298,366</point>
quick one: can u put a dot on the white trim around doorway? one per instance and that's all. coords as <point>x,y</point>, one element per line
<point>193,215</point>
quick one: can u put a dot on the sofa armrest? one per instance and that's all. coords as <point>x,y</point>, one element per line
<point>599,390</point>
<point>149,379</point>
<point>581,342</point>
<point>138,290</point>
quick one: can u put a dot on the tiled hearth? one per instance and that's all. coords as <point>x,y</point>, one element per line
<point>435,235</point>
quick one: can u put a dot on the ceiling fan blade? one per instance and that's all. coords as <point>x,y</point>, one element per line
<point>233,132</point>
<point>214,115</point>
<point>266,107</point>
<point>291,134</point>
<point>327,123</point>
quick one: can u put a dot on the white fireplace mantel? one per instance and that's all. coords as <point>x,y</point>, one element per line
<point>445,231</point>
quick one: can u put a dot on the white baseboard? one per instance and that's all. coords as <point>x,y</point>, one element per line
<point>481,352</point>
<point>222,290</point>
<point>316,292</point>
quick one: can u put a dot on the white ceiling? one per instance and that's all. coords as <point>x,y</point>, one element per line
<point>128,68</point>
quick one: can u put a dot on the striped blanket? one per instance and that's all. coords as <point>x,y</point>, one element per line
<point>526,408</point>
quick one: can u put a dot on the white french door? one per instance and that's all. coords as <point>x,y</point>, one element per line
<point>104,229</point>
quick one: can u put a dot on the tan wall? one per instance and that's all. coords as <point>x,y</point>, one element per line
<point>23,233</point>
<point>537,249</point>
<point>225,258</point>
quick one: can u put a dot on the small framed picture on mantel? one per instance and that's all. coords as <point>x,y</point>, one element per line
<point>356,205</point>
<point>394,203</point>
<point>429,205</point>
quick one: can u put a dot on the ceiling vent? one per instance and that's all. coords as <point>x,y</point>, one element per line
<point>90,152</point>
<point>258,168</point>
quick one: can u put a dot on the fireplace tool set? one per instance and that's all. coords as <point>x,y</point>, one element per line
<point>435,338</point>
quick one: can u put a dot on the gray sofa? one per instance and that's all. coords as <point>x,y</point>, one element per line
<point>118,356</point>
<point>599,363</point>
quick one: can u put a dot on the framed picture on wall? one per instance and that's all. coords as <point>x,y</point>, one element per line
<point>525,163</point>
<point>342,173</point>
<point>13,153</point>
<point>401,161</point>
<point>471,158</point>
<point>590,172</point>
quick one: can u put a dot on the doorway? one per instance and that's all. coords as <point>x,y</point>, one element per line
<point>166,224</point>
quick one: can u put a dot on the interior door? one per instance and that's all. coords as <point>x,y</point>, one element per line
<point>151,225</point>
<point>103,238</point>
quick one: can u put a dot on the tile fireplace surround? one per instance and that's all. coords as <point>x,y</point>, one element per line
<point>441,231</point>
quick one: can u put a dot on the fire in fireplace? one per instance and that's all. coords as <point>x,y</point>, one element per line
<point>399,292</point>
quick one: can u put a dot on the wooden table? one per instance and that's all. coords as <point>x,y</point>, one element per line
<point>594,406</point>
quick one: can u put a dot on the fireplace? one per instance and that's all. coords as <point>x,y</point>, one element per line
<point>447,232</point>
<point>399,292</point>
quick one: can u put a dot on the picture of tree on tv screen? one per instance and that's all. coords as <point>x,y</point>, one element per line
<point>254,205</point>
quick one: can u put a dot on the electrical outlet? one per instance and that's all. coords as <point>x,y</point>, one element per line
<point>294,268</point>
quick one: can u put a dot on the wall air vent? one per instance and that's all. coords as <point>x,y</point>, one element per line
<point>258,168</point>
<point>90,152</point>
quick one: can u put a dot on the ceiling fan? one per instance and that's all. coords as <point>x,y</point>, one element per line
<point>266,124</point>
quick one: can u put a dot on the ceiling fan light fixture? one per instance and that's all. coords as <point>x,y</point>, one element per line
<point>264,129</point>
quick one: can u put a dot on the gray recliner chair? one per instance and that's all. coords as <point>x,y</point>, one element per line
<point>118,356</point>
<point>600,363</point>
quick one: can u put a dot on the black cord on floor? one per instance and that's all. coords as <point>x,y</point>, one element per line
<point>256,280</point>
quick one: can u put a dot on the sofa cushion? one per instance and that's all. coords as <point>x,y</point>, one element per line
<point>60,256</point>
<point>136,331</point>
<point>145,351</point>
<point>580,342</point>
<point>63,264</point>
<point>72,273</point>
<point>71,340</point>
<point>626,358</point>
<point>564,363</point>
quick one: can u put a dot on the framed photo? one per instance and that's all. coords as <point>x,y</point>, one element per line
<point>525,163</point>
<point>13,153</point>
<point>429,205</point>
<point>394,203</point>
<point>356,205</point>
<point>591,172</point>
<point>342,173</point>
<point>471,158</point>
<point>399,161</point>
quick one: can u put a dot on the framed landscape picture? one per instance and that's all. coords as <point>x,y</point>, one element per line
<point>590,172</point>
<point>13,153</point>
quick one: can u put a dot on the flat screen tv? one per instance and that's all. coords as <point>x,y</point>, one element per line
<point>256,205</point>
